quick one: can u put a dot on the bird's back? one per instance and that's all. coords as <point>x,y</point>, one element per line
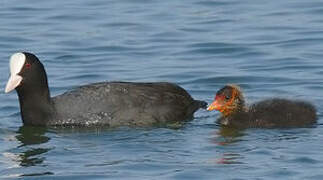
<point>282,113</point>
<point>124,104</point>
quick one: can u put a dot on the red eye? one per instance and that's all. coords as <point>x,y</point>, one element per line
<point>28,65</point>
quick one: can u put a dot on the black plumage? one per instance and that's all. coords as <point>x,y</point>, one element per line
<point>105,103</point>
<point>269,113</point>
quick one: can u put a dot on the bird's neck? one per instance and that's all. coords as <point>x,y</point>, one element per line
<point>234,109</point>
<point>35,105</point>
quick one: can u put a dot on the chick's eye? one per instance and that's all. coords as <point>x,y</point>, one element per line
<point>28,65</point>
<point>227,97</point>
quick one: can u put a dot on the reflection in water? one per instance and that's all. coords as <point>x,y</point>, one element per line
<point>230,158</point>
<point>32,136</point>
<point>28,135</point>
<point>38,174</point>
<point>28,154</point>
<point>29,157</point>
<point>226,136</point>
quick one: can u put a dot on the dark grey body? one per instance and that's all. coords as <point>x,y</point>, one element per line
<point>123,104</point>
<point>273,113</point>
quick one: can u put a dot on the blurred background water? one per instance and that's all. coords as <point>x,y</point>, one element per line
<point>270,48</point>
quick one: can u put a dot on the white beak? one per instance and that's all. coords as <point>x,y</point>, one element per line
<point>13,82</point>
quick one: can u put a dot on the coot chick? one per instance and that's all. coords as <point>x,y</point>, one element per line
<point>270,113</point>
<point>105,103</point>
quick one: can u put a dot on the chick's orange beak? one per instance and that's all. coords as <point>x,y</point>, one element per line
<point>215,106</point>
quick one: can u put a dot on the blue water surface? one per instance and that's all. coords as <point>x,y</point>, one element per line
<point>270,48</point>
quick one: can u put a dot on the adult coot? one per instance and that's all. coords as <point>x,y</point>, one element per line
<point>105,103</point>
<point>270,113</point>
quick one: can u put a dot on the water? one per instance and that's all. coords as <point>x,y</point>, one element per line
<point>270,48</point>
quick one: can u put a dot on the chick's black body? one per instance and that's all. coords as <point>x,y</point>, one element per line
<point>106,103</point>
<point>270,113</point>
<point>273,113</point>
